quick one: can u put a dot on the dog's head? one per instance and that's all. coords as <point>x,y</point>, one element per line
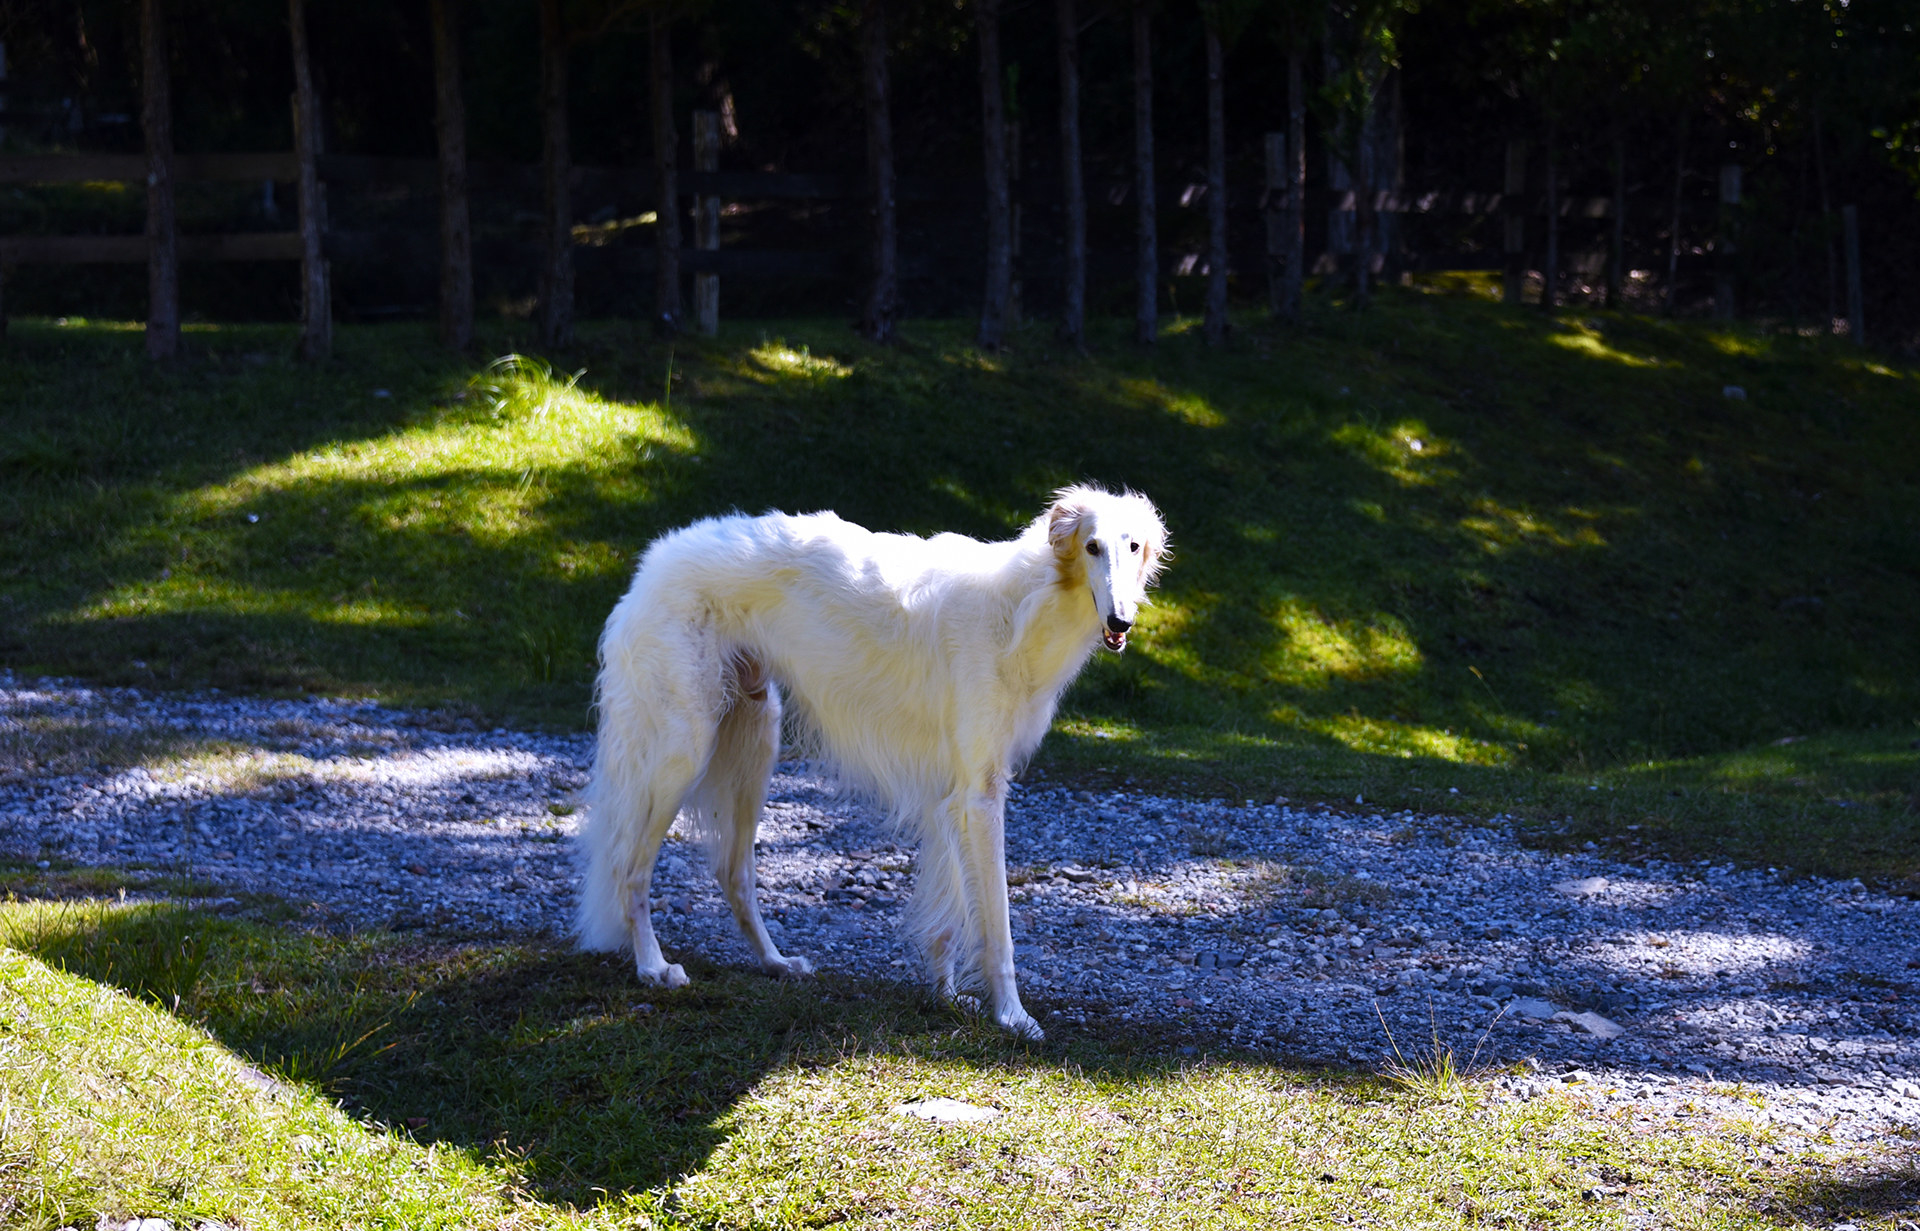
<point>1115,545</point>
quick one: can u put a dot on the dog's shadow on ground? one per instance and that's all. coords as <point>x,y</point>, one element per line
<point>593,1083</point>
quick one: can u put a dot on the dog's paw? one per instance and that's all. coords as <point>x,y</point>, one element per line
<point>1020,1022</point>
<point>668,974</point>
<point>788,967</point>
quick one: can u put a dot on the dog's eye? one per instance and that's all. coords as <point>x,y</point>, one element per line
<point>1093,548</point>
<point>1136,547</point>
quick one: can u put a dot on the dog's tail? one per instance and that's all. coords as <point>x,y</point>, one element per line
<point>941,921</point>
<point>659,696</point>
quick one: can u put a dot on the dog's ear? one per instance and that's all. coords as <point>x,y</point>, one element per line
<point>1067,523</point>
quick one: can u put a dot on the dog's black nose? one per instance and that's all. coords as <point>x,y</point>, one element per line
<point>1117,624</point>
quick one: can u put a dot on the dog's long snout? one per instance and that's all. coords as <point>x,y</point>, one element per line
<point>1117,624</point>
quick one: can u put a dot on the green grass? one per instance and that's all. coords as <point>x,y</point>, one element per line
<point>517,1085</point>
<point>1598,594</point>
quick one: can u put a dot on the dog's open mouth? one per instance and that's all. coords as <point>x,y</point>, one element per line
<point>1115,641</point>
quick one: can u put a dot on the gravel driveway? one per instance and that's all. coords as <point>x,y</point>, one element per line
<point>1650,989</point>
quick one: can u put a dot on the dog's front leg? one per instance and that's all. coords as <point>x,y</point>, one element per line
<point>984,841</point>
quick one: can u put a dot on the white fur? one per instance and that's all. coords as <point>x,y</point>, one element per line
<point>925,670</point>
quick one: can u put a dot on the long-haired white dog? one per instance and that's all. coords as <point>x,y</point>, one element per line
<point>925,670</point>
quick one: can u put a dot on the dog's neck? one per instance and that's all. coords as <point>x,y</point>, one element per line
<point>1055,627</point>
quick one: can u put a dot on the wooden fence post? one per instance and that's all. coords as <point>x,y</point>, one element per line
<point>316,301</point>
<point>1724,243</point>
<point>1512,206</point>
<point>1850,230</point>
<point>163,257</point>
<point>456,225</point>
<point>706,222</point>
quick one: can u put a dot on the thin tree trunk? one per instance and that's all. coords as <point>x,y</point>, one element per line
<point>666,180</point>
<point>1364,221</point>
<point>1073,311</point>
<point>1146,323</point>
<point>1826,223</point>
<point>1550,274</point>
<point>1294,290</point>
<point>456,229</point>
<point>1215,324</point>
<point>316,294</point>
<point>1673,239</point>
<point>556,275</point>
<point>1617,247</point>
<point>156,115</point>
<point>883,292</point>
<point>993,144</point>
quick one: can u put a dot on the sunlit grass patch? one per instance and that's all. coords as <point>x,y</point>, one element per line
<point>116,1109</point>
<point>1319,650</point>
<point>1500,529</point>
<point>1183,406</point>
<point>1407,451</point>
<point>1587,341</point>
<point>780,359</point>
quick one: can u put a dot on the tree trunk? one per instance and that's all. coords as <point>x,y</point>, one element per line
<point>556,274</point>
<point>993,144</point>
<point>1295,287</point>
<point>1826,223</point>
<point>1073,311</point>
<point>1550,273</point>
<point>1726,243</point>
<point>316,294</point>
<point>1146,324</point>
<point>1673,239</point>
<point>456,228</point>
<point>1513,208</point>
<point>1856,297</point>
<point>1617,245</point>
<point>666,181</point>
<point>1215,326</point>
<point>156,115</point>
<point>883,292</point>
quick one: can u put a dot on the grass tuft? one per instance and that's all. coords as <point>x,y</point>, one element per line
<point>1435,1073</point>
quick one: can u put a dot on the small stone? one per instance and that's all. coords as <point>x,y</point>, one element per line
<point>1593,1024</point>
<point>1527,1006</point>
<point>1584,887</point>
<point>946,1111</point>
<point>1733,393</point>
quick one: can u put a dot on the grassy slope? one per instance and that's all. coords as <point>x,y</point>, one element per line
<point>525,1088</point>
<point>1595,571</point>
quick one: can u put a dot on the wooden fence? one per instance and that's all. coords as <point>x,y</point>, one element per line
<point>1518,209</point>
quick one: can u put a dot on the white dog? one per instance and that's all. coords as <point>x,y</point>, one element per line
<point>925,670</point>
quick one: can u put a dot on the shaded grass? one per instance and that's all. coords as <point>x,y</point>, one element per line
<point>518,1085</point>
<point>1442,547</point>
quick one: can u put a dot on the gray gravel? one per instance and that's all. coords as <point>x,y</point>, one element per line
<point>1648,988</point>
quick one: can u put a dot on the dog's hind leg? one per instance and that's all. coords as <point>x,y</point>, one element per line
<point>735,789</point>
